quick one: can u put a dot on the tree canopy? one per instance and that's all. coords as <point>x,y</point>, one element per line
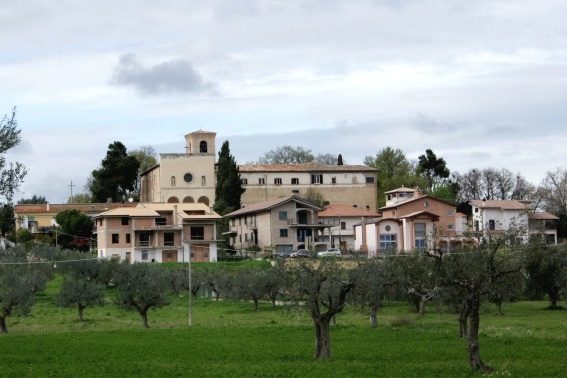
<point>35,199</point>
<point>228,191</point>
<point>432,168</point>
<point>116,179</point>
<point>12,174</point>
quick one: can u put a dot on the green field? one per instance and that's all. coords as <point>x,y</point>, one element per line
<point>228,339</point>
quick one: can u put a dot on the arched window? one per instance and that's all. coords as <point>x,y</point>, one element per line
<point>188,199</point>
<point>173,200</point>
<point>204,200</point>
<point>172,180</point>
<point>203,181</point>
<point>203,146</point>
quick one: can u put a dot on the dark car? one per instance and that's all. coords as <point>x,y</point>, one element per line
<point>301,253</point>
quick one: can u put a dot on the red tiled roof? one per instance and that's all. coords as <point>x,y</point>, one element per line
<point>82,207</point>
<point>498,204</point>
<point>266,205</point>
<point>542,216</point>
<point>345,211</point>
<point>307,167</point>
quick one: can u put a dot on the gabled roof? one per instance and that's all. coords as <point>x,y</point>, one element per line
<point>498,204</point>
<point>346,211</point>
<point>268,205</point>
<point>413,199</point>
<point>306,167</point>
<point>401,190</point>
<point>128,212</point>
<point>542,216</point>
<point>420,213</point>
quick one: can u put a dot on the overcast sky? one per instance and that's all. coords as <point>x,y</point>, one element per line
<point>481,83</point>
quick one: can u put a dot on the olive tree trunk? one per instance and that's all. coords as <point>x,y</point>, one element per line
<point>472,336</point>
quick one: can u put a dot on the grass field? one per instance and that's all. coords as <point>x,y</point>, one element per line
<point>228,339</point>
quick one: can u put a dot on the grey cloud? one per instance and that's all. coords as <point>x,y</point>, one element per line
<point>427,124</point>
<point>172,76</point>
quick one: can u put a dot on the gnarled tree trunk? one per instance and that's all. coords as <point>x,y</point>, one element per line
<point>463,319</point>
<point>3,327</point>
<point>322,339</point>
<point>472,336</point>
<point>373,316</point>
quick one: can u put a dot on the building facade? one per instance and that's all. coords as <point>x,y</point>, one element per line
<point>183,177</point>
<point>158,232</point>
<point>411,220</point>
<point>353,185</point>
<point>282,225</point>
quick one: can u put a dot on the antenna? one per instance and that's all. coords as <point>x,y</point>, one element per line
<point>71,186</point>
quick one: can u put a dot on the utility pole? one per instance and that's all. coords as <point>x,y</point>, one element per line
<point>71,186</point>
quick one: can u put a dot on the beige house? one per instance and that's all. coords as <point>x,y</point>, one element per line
<point>183,177</point>
<point>280,225</point>
<point>353,185</point>
<point>411,220</point>
<point>158,232</point>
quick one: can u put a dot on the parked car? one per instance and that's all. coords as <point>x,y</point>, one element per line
<point>330,252</point>
<point>301,253</point>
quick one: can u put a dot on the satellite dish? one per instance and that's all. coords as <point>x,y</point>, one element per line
<point>130,199</point>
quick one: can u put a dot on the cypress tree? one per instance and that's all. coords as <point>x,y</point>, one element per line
<point>229,189</point>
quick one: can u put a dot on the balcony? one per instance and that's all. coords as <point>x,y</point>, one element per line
<point>293,222</point>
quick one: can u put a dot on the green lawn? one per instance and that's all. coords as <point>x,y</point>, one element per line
<point>228,339</point>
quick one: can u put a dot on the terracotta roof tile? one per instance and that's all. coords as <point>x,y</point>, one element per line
<point>346,211</point>
<point>307,167</point>
<point>542,216</point>
<point>498,204</point>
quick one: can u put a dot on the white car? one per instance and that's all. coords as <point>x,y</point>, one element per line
<point>330,252</point>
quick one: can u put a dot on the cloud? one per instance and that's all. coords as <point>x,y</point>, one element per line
<point>170,77</point>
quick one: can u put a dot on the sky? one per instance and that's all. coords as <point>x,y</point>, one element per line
<point>482,83</point>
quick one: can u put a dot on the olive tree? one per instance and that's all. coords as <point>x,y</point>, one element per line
<point>19,281</point>
<point>140,287</point>
<point>11,174</point>
<point>324,285</point>
<point>472,274</point>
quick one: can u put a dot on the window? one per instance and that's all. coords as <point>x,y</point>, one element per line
<point>316,179</point>
<point>244,181</point>
<point>161,221</point>
<point>491,225</point>
<point>128,241</point>
<point>343,225</point>
<point>387,228</point>
<point>450,212</point>
<point>245,237</point>
<point>333,180</point>
<point>277,181</point>
<point>188,177</point>
<point>115,239</point>
<point>387,241</point>
<point>124,221</point>
<point>245,219</point>
<point>172,180</point>
<point>476,209</point>
<point>294,181</point>
<point>144,255</point>
<point>261,181</point>
<point>425,204</point>
<point>203,181</point>
<point>370,180</point>
<point>449,227</point>
<point>283,215</point>
<point>233,222</point>
<point>144,239</point>
<point>476,225</point>
<point>197,233</point>
<point>203,147</point>
<point>419,235</point>
<point>168,239</point>
<point>283,233</point>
